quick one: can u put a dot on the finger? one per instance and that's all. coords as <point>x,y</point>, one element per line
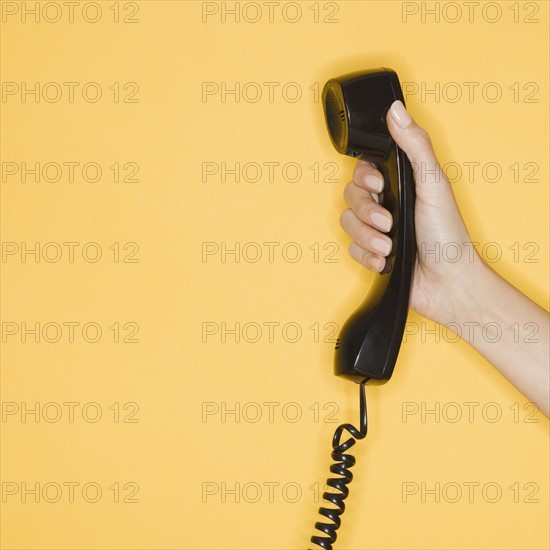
<point>367,176</point>
<point>366,208</point>
<point>366,258</point>
<point>417,144</point>
<point>430,181</point>
<point>364,235</point>
<point>413,139</point>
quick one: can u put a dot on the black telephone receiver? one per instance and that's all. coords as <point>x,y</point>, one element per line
<point>355,108</point>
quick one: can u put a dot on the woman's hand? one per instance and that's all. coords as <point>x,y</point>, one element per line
<point>441,234</point>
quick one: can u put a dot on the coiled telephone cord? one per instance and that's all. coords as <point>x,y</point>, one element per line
<point>342,463</point>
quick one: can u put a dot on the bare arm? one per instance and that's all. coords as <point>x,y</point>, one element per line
<point>507,328</point>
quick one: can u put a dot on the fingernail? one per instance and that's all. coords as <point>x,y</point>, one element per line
<point>381,245</point>
<point>381,221</point>
<point>377,264</point>
<point>400,115</point>
<point>374,183</point>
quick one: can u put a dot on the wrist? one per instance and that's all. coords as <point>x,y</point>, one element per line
<point>462,298</point>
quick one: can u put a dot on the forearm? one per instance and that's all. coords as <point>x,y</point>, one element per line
<point>507,328</point>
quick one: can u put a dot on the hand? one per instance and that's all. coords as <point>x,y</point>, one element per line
<point>441,234</point>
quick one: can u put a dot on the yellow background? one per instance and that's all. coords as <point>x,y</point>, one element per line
<point>172,453</point>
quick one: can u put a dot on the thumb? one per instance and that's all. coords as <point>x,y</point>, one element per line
<point>437,214</point>
<point>416,143</point>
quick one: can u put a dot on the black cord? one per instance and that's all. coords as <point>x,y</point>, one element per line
<point>343,462</point>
